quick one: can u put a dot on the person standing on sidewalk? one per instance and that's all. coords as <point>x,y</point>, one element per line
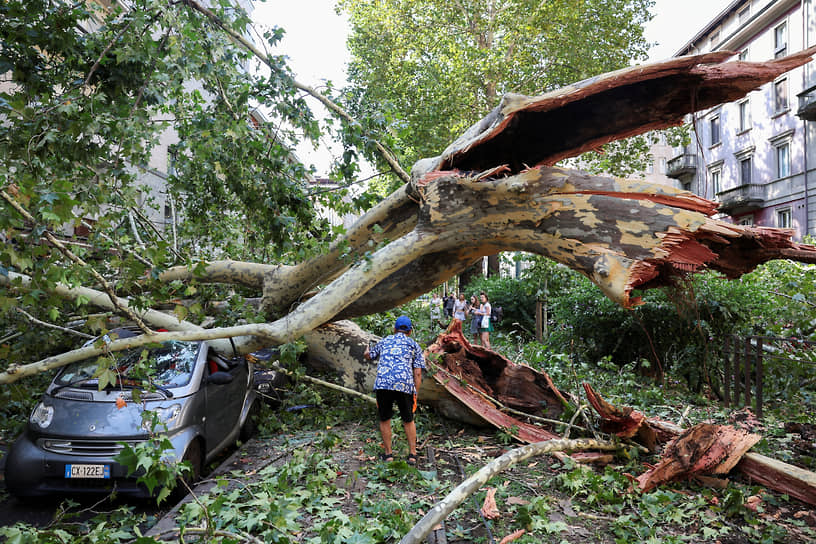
<point>399,375</point>
<point>436,310</point>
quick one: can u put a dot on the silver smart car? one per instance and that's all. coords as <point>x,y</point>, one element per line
<point>73,434</point>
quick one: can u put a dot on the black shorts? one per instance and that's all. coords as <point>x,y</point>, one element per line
<point>385,405</point>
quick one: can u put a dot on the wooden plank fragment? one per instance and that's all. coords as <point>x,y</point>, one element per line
<point>794,481</point>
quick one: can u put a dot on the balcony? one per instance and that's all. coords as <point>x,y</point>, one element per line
<point>681,165</point>
<point>742,199</point>
<point>807,105</point>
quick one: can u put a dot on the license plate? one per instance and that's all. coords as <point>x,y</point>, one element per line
<point>87,471</point>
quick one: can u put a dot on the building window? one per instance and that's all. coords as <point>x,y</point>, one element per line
<point>714,128</point>
<point>783,165</point>
<point>781,40</point>
<point>662,167</point>
<point>744,115</point>
<point>747,221</point>
<point>687,186</point>
<point>744,15</point>
<point>781,96</point>
<point>715,176</point>
<point>745,171</point>
<point>783,218</point>
<point>713,41</point>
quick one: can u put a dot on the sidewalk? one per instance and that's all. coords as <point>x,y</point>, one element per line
<point>247,460</point>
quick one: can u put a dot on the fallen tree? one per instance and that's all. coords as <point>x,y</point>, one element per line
<point>480,197</point>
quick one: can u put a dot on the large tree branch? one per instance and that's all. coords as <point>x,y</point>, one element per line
<point>525,131</point>
<point>283,285</point>
<point>305,318</point>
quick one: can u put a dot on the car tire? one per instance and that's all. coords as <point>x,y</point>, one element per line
<point>194,456</point>
<point>250,426</point>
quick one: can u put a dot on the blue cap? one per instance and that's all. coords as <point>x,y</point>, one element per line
<point>403,323</point>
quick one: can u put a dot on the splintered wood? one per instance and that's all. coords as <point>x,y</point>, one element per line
<point>703,449</point>
<point>474,384</point>
<point>709,449</point>
<point>489,386</point>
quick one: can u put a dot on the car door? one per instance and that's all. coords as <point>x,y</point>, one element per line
<point>225,401</point>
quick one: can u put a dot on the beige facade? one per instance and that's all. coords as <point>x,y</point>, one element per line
<point>756,156</point>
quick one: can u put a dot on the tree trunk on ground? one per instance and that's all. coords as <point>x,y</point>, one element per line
<point>479,386</point>
<point>710,449</point>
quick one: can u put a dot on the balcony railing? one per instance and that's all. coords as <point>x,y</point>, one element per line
<point>742,198</point>
<point>807,104</point>
<point>682,165</point>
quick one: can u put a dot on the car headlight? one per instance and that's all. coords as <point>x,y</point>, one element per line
<point>165,417</point>
<point>42,415</point>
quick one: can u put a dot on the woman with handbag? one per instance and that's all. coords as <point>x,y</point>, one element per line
<point>485,326</point>
<point>475,318</point>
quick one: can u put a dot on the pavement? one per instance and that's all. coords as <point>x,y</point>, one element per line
<point>248,459</point>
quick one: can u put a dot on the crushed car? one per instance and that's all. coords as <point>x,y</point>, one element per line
<point>201,401</point>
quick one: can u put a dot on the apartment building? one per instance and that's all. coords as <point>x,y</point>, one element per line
<point>756,156</point>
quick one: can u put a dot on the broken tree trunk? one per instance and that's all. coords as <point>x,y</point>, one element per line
<point>703,449</point>
<point>796,482</point>
<point>725,443</point>
<point>479,198</point>
<point>583,222</point>
<point>623,422</point>
<point>471,383</point>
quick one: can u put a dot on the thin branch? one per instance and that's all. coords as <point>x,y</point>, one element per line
<point>328,103</point>
<point>105,52</point>
<point>119,246</point>
<point>443,508</point>
<point>73,257</point>
<point>791,298</point>
<point>329,385</point>
<point>51,325</point>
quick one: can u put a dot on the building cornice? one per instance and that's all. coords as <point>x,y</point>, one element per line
<point>734,41</point>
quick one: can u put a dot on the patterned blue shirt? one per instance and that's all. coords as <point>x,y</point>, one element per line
<point>398,356</point>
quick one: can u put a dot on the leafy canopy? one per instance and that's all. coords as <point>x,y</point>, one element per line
<point>426,70</point>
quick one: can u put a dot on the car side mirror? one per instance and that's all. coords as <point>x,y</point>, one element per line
<point>220,378</point>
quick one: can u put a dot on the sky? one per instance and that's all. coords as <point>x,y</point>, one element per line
<point>315,40</point>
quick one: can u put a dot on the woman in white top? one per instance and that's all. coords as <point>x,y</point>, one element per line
<point>436,308</point>
<point>460,308</point>
<point>485,310</point>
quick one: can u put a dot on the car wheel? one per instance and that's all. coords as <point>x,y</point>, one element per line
<point>194,457</point>
<point>250,426</point>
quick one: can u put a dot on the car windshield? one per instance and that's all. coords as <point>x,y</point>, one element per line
<point>169,365</point>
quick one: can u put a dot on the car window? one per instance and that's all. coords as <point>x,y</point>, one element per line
<point>169,365</point>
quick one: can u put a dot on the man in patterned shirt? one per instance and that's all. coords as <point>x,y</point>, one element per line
<point>399,375</point>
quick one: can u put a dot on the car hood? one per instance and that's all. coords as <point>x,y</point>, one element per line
<point>100,420</point>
